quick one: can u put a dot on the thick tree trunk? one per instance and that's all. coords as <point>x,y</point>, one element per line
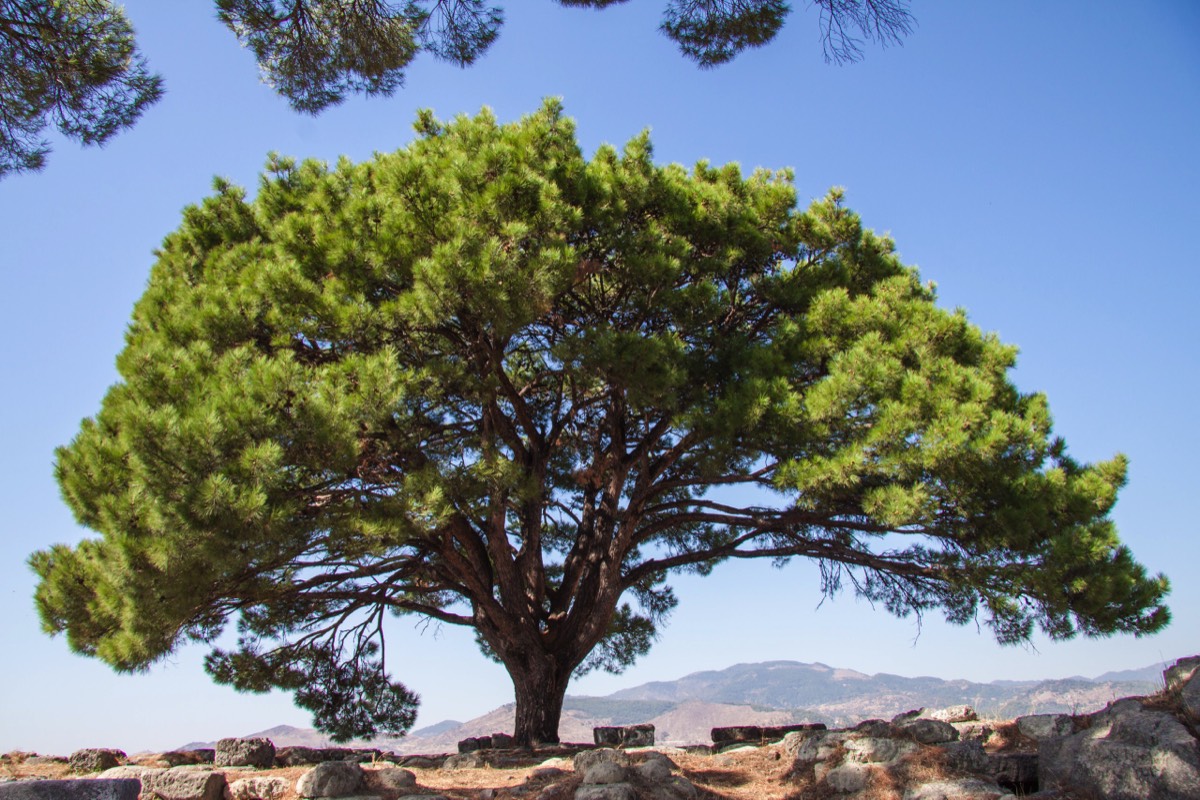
<point>539,685</point>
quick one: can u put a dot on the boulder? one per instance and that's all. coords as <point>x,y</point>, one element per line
<point>954,714</point>
<point>848,778</point>
<point>605,772</point>
<point>390,779</point>
<point>95,759</point>
<point>131,771</point>
<point>258,788</point>
<point>611,791</point>
<point>586,758</point>
<point>300,756</point>
<point>175,758</point>
<point>95,789</point>
<point>330,779</point>
<point>966,757</point>
<point>870,750</point>
<point>473,743</point>
<point>815,746</point>
<point>1128,753</point>
<point>958,789</point>
<point>183,784</point>
<point>502,741</point>
<point>927,731</point>
<point>624,736</point>
<point>1045,726</point>
<point>250,752</point>
<point>1179,673</point>
<point>470,760</point>
<point>654,770</point>
<point>1016,772</point>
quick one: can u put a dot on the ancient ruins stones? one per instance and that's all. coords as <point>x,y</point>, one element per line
<point>253,752</point>
<point>95,759</point>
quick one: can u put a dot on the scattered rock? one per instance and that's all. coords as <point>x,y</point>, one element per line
<point>183,784</point>
<point>605,772</point>
<point>612,791</point>
<point>1128,753</point>
<point>954,714</point>
<point>469,760</point>
<point>258,788</point>
<point>391,779</point>
<point>95,759</point>
<point>927,731</point>
<point>848,778</point>
<point>654,770</point>
<point>871,750</point>
<point>1045,726</point>
<point>330,779</point>
<point>624,736</point>
<point>961,789</point>
<point>96,789</point>
<point>252,752</point>
<point>1181,672</point>
<point>587,758</point>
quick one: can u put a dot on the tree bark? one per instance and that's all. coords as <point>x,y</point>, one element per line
<point>539,685</point>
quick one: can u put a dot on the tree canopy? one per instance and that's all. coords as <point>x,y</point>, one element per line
<point>74,63</point>
<point>492,383</point>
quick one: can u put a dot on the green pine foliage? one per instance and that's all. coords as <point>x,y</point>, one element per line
<point>68,64</point>
<point>490,382</point>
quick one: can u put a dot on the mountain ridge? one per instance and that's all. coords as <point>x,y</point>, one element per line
<point>771,693</point>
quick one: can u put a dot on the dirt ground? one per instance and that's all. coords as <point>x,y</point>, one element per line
<point>756,774</point>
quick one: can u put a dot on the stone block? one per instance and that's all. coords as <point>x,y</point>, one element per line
<point>183,783</point>
<point>624,736</point>
<point>95,789</point>
<point>330,779</point>
<point>250,752</point>
<point>95,759</point>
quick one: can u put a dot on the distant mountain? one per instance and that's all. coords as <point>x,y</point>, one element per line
<point>773,693</point>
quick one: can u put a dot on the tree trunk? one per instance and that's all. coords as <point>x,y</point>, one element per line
<point>539,685</point>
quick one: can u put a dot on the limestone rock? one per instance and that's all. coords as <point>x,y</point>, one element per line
<point>624,736</point>
<point>1045,726</point>
<point>95,759</point>
<point>251,752</point>
<point>954,714</point>
<point>848,778</point>
<point>927,731</point>
<point>391,779</point>
<point>95,789</point>
<point>1180,672</point>
<point>330,779</point>
<point>132,771</point>
<point>960,789</point>
<point>654,770</point>
<point>966,757</point>
<point>469,760</point>
<point>587,758</point>
<point>815,746</point>
<point>611,791</point>
<point>870,750</point>
<point>184,784</point>
<point>605,772</point>
<point>258,788</point>
<point>1189,697</point>
<point>1128,753</point>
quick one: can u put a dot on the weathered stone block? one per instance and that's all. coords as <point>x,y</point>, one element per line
<point>250,752</point>
<point>624,736</point>
<point>258,788</point>
<point>330,779</point>
<point>95,759</point>
<point>95,789</point>
<point>183,784</point>
<point>1045,726</point>
<point>927,731</point>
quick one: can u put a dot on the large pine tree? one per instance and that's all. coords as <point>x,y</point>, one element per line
<point>487,381</point>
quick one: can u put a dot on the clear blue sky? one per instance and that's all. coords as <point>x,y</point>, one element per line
<point>1037,160</point>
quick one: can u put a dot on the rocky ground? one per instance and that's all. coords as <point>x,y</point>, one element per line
<point>1135,748</point>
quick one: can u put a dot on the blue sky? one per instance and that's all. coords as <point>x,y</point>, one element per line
<point>1037,160</point>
